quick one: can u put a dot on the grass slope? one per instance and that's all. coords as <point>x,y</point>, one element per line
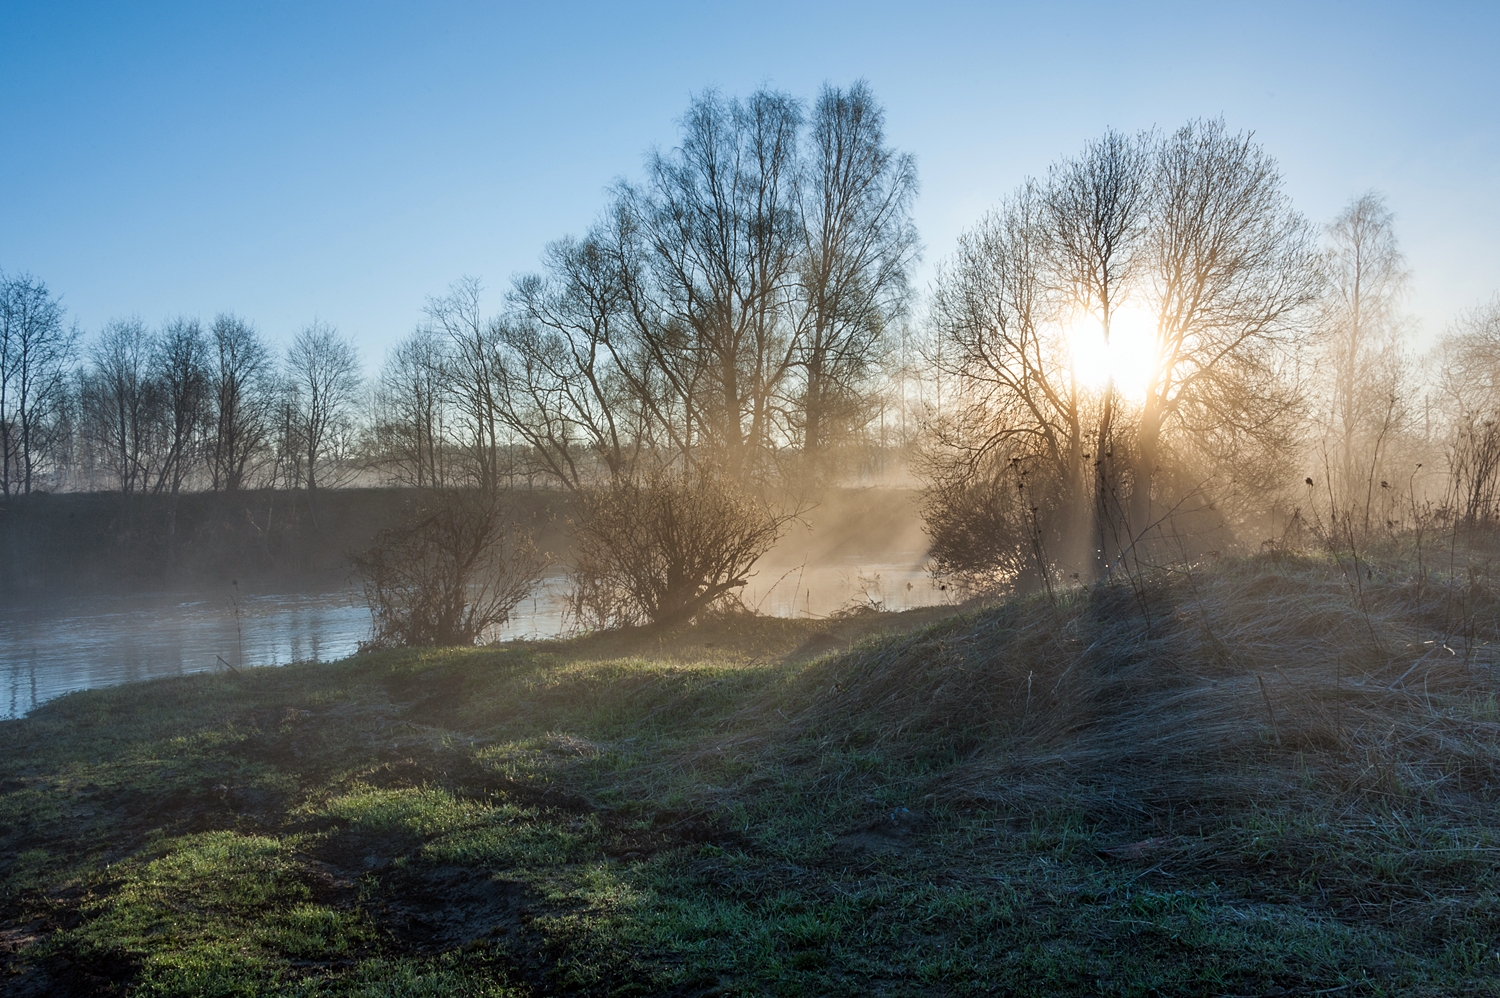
<point>1272,777</point>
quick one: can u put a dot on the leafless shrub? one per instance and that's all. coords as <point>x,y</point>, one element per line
<point>996,531</point>
<point>667,548</point>
<point>1474,470</point>
<point>452,570</point>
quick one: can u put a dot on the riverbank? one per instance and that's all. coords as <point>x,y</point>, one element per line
<point>1251,780</point>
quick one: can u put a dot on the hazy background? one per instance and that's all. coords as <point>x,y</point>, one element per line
<point>347,160</point>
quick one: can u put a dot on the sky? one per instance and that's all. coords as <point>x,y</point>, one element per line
<point>292,161</point>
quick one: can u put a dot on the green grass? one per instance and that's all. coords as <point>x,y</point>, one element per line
<point>930,813</point>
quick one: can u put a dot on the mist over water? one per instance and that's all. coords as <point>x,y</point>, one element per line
<point>64,644</point>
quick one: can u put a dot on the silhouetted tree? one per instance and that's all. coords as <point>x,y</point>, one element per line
<point>179,360</point>
<point>322,382</point>
<point>1233,274</point>
<point>411,402</point>
<point>472,375</point>
<point>1192,231</point>
<point>35,352</point>
<point>858,247</point>
<point>122,402</point>
<point>242,397</point>
<point>710,246</point>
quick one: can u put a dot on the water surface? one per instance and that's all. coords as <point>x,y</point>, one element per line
<point>53,647</point>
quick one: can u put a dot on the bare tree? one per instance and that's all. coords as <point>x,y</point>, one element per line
<point>578,384</point>
<point>474,361</point>
<point>1467,361</point>
<point>1192,229</point>
<point>35,352</point>
<point>1097,209</point>
<point>1466,364</point>
<point>858,247</point>
<point>1015,405</point>
<point>179,360</point>
<point>411,410</point>
<point>322,379</point>
<point>711,245</point>
<point>121,403</point>
<point>242,395</point>
<point>1233,273</point>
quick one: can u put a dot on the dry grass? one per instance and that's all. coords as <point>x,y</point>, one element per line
<point>1212,686</point>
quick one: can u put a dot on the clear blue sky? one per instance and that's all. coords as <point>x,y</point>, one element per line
<point>347,160</point>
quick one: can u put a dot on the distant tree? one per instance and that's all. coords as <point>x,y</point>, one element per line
<point>180,366</point>
<point>1365,370</point>
<point>1467,362</point>
<point>473,376</point>
<point>36,350</point>
<point>322,384</point>
<point>242,390</point>
<point>576,380</point>
<point>411,403</point>
<point>122,402</point>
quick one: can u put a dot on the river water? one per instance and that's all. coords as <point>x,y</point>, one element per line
<point>65,644</point>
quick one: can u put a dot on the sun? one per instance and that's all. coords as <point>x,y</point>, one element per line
<point>1129,359</point>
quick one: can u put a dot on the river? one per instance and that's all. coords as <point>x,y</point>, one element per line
<point>79,642</point>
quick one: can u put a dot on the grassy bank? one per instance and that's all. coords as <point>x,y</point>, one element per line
<point>1269,777</point>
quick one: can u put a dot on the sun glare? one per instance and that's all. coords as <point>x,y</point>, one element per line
<point>1129,358</point>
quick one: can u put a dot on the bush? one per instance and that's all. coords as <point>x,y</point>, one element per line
<point>454,568</point>
<point>667,548</point>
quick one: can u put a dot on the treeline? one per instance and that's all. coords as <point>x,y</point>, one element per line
<point>1147,345</point>
<point>735,308</point>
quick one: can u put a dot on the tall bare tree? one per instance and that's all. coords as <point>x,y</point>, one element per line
<point>858,247</point>
<point>578,388</point>
<point>122,402</point>
<point>1365,369</point>
<point>1097,208</point>
<point>242,395</point>
<point>1194,229</point>
<point>323,380</point>
<point>35,352</point>
<point>1233,274</point>
<point>711,267</point>
<point>411,403</point>
<point>179,362</point>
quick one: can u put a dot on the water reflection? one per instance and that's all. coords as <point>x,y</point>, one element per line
<point>47,649</point>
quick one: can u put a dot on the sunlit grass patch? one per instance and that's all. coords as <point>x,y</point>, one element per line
<point>510,835</point>
<point>415,811</point>
<point>217,914</point>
